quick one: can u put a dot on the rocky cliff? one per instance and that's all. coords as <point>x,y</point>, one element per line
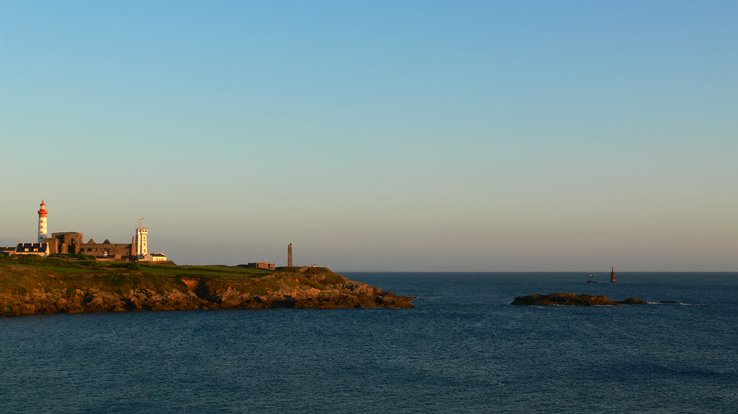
<point>43,286</point>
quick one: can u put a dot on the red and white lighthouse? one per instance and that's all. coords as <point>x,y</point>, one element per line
<point>43,224</point>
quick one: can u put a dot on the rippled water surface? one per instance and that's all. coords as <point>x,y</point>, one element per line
<point>463,349</point>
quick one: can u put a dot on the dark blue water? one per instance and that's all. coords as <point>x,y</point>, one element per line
<point>463,349</point>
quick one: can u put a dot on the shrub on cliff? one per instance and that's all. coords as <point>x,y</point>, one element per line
<point>132,266</point>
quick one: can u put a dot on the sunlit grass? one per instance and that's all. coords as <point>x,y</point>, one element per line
<point>20,274</point>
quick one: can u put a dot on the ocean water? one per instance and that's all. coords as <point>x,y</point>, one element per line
<point>463,349</point>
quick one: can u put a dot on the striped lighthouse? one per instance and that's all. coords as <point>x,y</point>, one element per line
<point>43,224</point>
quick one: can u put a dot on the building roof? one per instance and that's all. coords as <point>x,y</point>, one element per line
<point>31,247</point>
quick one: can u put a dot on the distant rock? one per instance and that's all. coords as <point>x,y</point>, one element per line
<point>572,299</point>
<point>634,301</point>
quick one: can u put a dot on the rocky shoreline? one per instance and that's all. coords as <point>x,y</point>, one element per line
<point>572,299</point>
<point>312,288</point>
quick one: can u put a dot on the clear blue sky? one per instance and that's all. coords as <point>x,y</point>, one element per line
<point>378,135</point>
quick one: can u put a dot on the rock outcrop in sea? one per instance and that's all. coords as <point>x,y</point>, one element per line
<point>572,299</point>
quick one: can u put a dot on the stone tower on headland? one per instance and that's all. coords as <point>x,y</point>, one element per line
<point>141,239</point>
<point>289,255</point>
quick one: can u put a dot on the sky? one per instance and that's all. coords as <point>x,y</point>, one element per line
<point>378,135</point>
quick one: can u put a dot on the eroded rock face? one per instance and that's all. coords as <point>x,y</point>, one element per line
<point>572,299</point>
<point>201,294</point>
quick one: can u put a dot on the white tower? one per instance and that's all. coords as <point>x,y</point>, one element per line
<point>43,223</point>
<point>142,239</point>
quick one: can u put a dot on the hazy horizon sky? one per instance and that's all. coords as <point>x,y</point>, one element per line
<point>378,135</point>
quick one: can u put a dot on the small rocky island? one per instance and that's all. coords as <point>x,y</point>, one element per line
<point>573,299</point>
<point>33,285</point>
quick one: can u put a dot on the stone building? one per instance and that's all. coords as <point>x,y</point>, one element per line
<point>32,249</point>
<point>107,250</point>
<point>72,243</point>
<point>65,242</point>
<point>154,257</point>
<point>261,265</point>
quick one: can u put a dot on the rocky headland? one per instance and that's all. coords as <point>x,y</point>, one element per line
<point>573,299</point>
<point>31,286</point>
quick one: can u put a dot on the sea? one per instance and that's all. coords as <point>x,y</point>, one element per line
<point>463,349</point>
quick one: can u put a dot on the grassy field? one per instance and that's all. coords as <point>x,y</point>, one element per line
<point>24,273</point>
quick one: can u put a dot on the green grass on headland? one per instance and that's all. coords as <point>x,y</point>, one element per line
<point>23,273</point>
<point>75,284</point>
<point>74,264</point>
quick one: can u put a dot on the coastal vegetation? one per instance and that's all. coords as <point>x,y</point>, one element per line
<point>33,285</point>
